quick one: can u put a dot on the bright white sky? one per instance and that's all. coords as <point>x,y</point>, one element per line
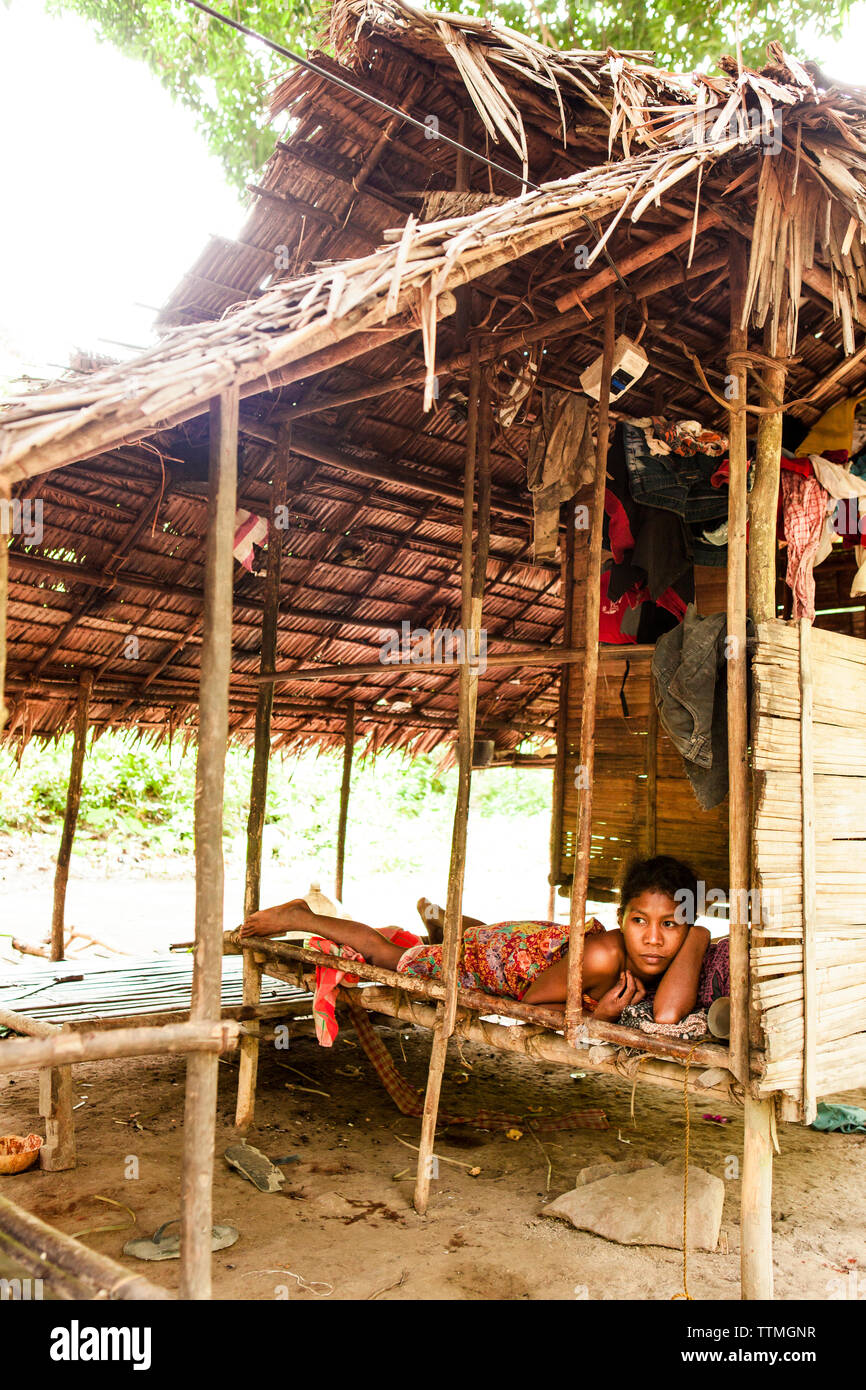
<point>110,192</point>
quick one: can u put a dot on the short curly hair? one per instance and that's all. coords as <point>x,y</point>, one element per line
<point>661,874</point>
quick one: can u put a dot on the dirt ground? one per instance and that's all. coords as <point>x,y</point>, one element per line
<point>344,1228</point>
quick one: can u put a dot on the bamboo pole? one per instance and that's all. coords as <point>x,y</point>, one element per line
<point>248,1062</point>
<point>23,1023</point>
<point>652,774</point>
<point>345,787</point>
<point>477,437</point>
<point>756,1229</point>
<point>583,833</point>
<point>553,655</point>
<point>568,640</point>
<point>763,499</point>
<point>201,1078</point>
<point>267,667</point>
<point>64,1049</point>
<point>70,1270</point>
<point>738,804</point>
<point>807,785</point>
<point>70,818</point>
<point>545,1046</point>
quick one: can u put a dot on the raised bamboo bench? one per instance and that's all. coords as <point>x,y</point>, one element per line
<point>663,1060</point>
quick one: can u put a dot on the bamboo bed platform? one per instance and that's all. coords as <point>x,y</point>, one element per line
<point>536,1031</point>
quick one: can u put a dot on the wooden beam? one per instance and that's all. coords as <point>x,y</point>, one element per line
<point>534,656</point>
<point>538,1044</point>
<point>201,1080</point>
<point>65,1049</point>
<point>320,448</point>
<point>586,764</point>
<point>70,817</point>
<point>348,750</point>
<point>476,443</point>
<point>738,804</point>
<point>68,1268</point>
<point>653,251</point>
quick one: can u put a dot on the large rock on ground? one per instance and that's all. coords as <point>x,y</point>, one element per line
<point>646,1207</point>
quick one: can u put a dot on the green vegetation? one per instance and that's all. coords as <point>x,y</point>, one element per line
<point>224,78</point>
<point>143,798</point>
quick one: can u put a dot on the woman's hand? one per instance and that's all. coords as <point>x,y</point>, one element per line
<point>626,990</point>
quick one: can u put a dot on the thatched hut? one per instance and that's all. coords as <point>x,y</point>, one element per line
<point>371,351</point>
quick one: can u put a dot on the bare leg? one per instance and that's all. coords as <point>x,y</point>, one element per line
<point>296,916</point>
<point>433,917</point>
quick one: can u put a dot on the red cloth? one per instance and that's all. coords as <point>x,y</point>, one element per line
<point>327,979</point>
<point>619,530</point>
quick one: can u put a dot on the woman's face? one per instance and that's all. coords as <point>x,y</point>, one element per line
<point>652,934</point>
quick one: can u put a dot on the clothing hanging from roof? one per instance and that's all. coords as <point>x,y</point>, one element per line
<point>560,461</point>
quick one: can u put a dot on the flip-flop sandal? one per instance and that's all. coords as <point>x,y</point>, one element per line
<point>163,1247</point>
<point>253,1164</point>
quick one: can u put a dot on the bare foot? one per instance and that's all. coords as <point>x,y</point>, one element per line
<point>270,921</point>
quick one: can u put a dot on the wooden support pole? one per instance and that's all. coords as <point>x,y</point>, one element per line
<point>55,1106</point>
<point>756,1228</point>
<point>763,547</point>
<point>248,1064</point>
<point>69,1269</point>
<point>738,798</point>
<point>248,1061</point>
<point>583,833</point>
<point>568,640</point>
<point>478,432</point>
<point>70,818</point>
<point>345,788</point>
<point>809,870</point>
<point>652,778</point>
<point>267,667</point>
<point>201,1076</point>
<point>100,1045</point>
<point>764,497</point>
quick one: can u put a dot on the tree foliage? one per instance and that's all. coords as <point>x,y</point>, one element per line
<point>224,78</point>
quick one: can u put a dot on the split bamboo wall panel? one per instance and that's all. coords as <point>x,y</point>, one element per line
<point>835,929</point>
<point>623,823</point>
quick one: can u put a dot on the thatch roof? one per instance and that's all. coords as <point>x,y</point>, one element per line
<point>320,306</point>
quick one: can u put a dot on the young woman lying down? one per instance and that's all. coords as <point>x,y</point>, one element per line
<point>657,950</point>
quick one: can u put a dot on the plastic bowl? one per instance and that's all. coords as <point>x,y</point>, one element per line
<point>16,1153</point>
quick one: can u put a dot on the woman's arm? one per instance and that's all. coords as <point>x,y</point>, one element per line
<point>678,988</point>
<point>603,959</point>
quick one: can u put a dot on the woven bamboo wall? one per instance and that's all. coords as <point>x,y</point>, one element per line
<point>837,984</point>
<point>637,808</point>
<point>623,800</point>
